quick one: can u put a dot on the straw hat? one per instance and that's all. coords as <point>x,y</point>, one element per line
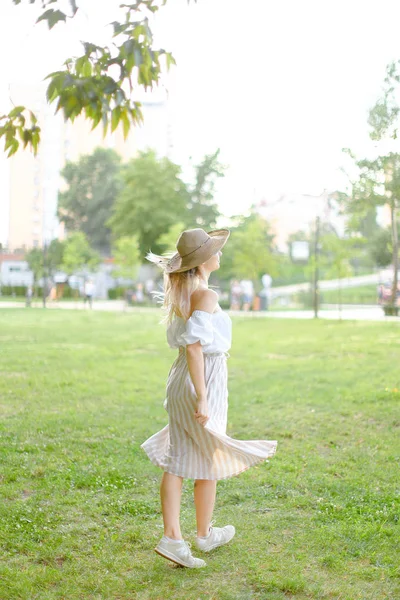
<point>194,247</point>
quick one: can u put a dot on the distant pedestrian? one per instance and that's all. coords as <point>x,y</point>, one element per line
<point>265,294</point>
<point>236,294</point>
<point>53,294</point>
<point>149,287</point>
<point>139,293</point>
<point>28,296</point>
<point>247,293</point>
<point>88,293</point>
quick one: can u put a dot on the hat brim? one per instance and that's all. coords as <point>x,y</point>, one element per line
<point>218,239</point>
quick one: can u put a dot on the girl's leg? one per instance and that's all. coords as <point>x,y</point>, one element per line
<point>170,493</point>
<point>204,500</point>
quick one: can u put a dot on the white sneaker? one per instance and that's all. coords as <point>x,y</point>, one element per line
<point>179,554</point>
<point>217,537</point>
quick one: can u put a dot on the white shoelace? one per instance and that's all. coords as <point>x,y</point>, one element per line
<point>218,534</point>
<point>210,530</point>
<point>186,547</point>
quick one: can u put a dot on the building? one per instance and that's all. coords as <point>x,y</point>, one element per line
<point>29,184</point>
<point>14,271</point>
<point>290,213</point>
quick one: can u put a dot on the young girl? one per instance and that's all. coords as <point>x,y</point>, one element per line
<point>194,444</point>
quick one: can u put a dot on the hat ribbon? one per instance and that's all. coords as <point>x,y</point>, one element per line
<point>191,252</point>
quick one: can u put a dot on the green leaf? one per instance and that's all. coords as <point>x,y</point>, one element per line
<point>24,134</point>
<point>115,117</point>
<point>13,148</point>
<point>27,137</point>
<point>119,97</point>
<point>10,140</point>
<point>15,112</point>
<point>35,139</point>
<point>127,47</point>
<point>136,113</point>
<point>138,57</point>
<point>67,80</point>
<point>59,104</point>
<point>129,64</point>
<point>79,63</point>
<point>170,59</point>
<point>83,66</point>
<point>105,123</point>
<point>53,74</point>
<point>52,90</point>
<point>33,118</point>
<point>96,119</point>
<point>90,48</point>
<point>125,123</point>
<point>71,106</point>
<point>109,85</point>
<point>118,27</point>
<point>52,17</point>
<point>21,120</point>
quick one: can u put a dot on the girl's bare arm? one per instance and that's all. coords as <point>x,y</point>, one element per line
<point>201,300</point>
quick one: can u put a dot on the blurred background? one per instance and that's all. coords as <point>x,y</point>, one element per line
<point>248,130</point>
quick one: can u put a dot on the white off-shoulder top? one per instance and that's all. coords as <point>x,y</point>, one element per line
<point>213,330</point>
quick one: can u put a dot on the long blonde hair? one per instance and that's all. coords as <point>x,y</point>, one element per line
<point>178,288</point>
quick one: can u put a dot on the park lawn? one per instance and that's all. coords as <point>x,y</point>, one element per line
<point>12,299</point>
<point>364,294</point>
<point>80,514</point>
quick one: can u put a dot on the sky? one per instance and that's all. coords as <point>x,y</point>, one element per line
<point>279,87</point>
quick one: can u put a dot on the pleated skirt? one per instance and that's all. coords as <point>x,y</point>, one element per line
<point>190,450</point>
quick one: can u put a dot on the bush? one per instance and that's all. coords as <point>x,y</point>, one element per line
<point>20,291</point>
<point>224,304</point>
<point>68,292</point>
<point>305,298</point>
<point>117,293</point>
<point>365,294</point>
<point>13,290</point>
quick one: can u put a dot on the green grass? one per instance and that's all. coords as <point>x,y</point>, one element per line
<point>12,299</point>
<point>80,513</point>
<point>364,294</point>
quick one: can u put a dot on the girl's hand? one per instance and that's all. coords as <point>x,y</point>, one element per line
<point>201,413</point>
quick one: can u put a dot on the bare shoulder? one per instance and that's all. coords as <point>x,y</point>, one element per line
<point>205,300</point>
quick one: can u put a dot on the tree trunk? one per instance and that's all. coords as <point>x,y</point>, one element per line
<point>395,243</point>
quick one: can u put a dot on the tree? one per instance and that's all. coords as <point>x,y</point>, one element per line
<point>361,228</point>
<point>250,251</point>
<point>168,240</point>
<point>100,83</point>
<point>34,258</point>
<point>55,253</point>
<point>202,210</point>
<point>126,257</point>
<point>152,199</point>
<point>378,185</point>
<point>78,255</point>
<point>93,185</point>
<point>379,178</point>
<point>380,247</point>
<point>337,253</point>
<point>45,262</point>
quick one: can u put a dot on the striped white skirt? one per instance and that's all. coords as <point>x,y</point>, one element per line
<point>188,449</point>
